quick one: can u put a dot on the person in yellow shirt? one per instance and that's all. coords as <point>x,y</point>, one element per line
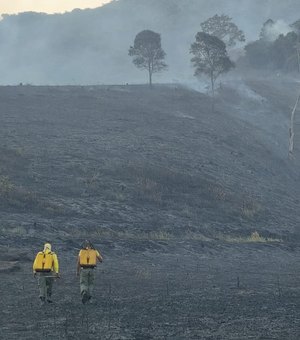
<point>46,266</point>
<point>86,264</point>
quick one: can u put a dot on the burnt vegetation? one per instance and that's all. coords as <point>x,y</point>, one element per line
<point>169,192</point>
<point>195,209</point>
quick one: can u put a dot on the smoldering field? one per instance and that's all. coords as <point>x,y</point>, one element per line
<point>171,194</point>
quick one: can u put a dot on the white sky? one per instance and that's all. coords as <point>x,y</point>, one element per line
<point>47,6</point>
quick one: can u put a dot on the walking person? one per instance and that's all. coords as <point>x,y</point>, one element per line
<point>86,264</point>
<point>46,267</point>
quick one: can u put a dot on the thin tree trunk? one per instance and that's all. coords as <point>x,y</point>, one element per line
<point>213,92</point>
<point>298,55</point>
<point>150,74</point>
<point>298,52</point>
<point>291,130</point>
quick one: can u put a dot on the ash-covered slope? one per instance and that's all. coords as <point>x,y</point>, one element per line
<point>129,159</point>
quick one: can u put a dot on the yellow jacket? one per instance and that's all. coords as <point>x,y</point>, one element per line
<point>55,264</point>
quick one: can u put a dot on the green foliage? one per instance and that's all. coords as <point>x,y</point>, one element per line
<point>147,52</point>
<point>222,27</point>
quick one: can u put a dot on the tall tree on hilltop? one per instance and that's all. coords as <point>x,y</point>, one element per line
<point>222,27</point>
<point>210,58</point>
<point>147,53</point>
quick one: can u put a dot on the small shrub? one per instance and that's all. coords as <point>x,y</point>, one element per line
<point>143,274</point>
<point>6,186</point>
<point>255,237</point>
<point>19,151</point>
<point>92,179</point>
<point>218,193</point>
<point>250,209</point>
<point>187,211</point>
<point>149,189</point>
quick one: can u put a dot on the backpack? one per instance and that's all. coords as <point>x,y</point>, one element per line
<point>43,262</point>
<point>88,258</point>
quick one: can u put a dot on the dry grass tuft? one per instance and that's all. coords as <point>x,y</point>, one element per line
<point>253,238</point>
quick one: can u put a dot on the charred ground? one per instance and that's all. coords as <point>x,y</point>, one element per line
<point>170,192</point>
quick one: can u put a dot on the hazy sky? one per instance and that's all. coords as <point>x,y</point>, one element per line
<point>48,6</point>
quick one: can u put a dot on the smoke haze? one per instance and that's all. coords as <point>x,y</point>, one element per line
<point>277,28</point>
<point>91,46</point>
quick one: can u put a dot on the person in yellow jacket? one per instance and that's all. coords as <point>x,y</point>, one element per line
<point>86,264</point>
<point>46,266</point>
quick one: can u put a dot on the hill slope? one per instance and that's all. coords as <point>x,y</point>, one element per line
<point>170,192</point>
<point>127,158</point>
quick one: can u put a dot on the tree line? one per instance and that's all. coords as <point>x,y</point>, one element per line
<point>210,56</point>
<point>210,49</point>
<point>275,53</point>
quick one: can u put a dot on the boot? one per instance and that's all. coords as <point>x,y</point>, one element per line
<point>84,297</point>
<point>49,299</point>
